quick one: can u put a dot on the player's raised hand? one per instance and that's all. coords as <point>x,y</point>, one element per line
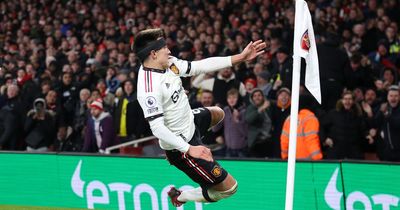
<point>201,152</point>
<point>253,49</point>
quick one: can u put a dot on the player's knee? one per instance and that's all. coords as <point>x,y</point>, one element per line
<point>218,195</point>
<point>217,115</point>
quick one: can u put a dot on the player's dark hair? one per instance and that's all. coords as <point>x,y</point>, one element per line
<point>145,38</point>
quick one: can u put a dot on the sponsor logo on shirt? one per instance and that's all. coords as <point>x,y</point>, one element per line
<point>175,95</point>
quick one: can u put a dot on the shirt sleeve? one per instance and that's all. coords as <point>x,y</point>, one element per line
<point>190,68</point>
<point>151,104</point>
<point>164,134</point>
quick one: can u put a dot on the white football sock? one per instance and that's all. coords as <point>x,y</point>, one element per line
<point>195,194</point>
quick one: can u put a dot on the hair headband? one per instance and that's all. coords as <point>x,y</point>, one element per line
<point>154,45</point>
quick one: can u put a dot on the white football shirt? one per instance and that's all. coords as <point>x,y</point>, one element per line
<point>161,94</point>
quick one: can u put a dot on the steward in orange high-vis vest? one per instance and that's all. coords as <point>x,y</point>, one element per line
<point>308,145</point>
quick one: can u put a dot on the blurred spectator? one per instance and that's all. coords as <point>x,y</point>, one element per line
<point>359,74</point>
<point>259,124</point>
<point>279,111</point>
<point>111,80</point>
<point>8,130</point>
<point>381,57</point>
<point>52,105</point>
<point>128,117</point>
<point>29,90</point>
<point>67,92</point>
<point>13,101</point>
<point>205,98</point>
<point>99,132</point>
<point>81,114</point>
<point>388,123</point>
<point>333,63</point>
<point>263,83</point>
<point>65,141</point>
<point>370,106</point>
<point>308,144</point>
<point>388,77</point>
<point>371,99</point>
<point>235,127</point>
<point>39,127</point>
<point>282,66</point>
<point>393,40</point>
<point>220,84</point>
<point>344,129</point>
<point>249,84</point>
<point>15,107</point>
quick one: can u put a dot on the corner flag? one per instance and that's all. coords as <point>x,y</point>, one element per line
<point>304,46</point>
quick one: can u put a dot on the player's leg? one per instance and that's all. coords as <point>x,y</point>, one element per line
<point>229,186</point>
<point>193,168</point>
<point>217,115</point>
<point>207,117</point>
<point>215,181</point>
<point>225,189</point>
<point>212,193</point>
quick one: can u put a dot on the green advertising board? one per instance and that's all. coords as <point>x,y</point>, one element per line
<point>112,182</point>
<point>371,186</point>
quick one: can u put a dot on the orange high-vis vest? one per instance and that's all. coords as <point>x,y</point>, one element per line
<point>308,146</point>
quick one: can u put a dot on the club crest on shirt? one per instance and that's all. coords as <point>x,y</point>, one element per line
<point>174,68</point>
<point>150,102</point>
<point>216,171</point>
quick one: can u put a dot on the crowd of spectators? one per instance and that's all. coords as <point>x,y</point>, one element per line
<point>68,75</point>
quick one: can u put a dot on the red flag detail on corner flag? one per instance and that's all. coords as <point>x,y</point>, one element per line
<point>304,46</point>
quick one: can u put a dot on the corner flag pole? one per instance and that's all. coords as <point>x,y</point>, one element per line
<point>303,46</point>
<point>294,110</point>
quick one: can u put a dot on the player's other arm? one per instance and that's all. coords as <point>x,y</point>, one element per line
<point>164,134</point>
<point>153,112</point>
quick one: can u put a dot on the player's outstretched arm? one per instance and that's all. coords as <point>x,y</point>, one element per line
<point>252,50</point>
<point>187,68</point>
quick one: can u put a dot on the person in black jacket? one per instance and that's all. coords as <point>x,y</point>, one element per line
<point>67,92</point>
<point>129,121</point>
<point>333,63</point>
<point>279,111</point>
<point>7,130</point>
<point>344,129</point>
<point>282,65</point>
<point>15,106</point>
<point>40,127</point>
<point>388,123</point>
